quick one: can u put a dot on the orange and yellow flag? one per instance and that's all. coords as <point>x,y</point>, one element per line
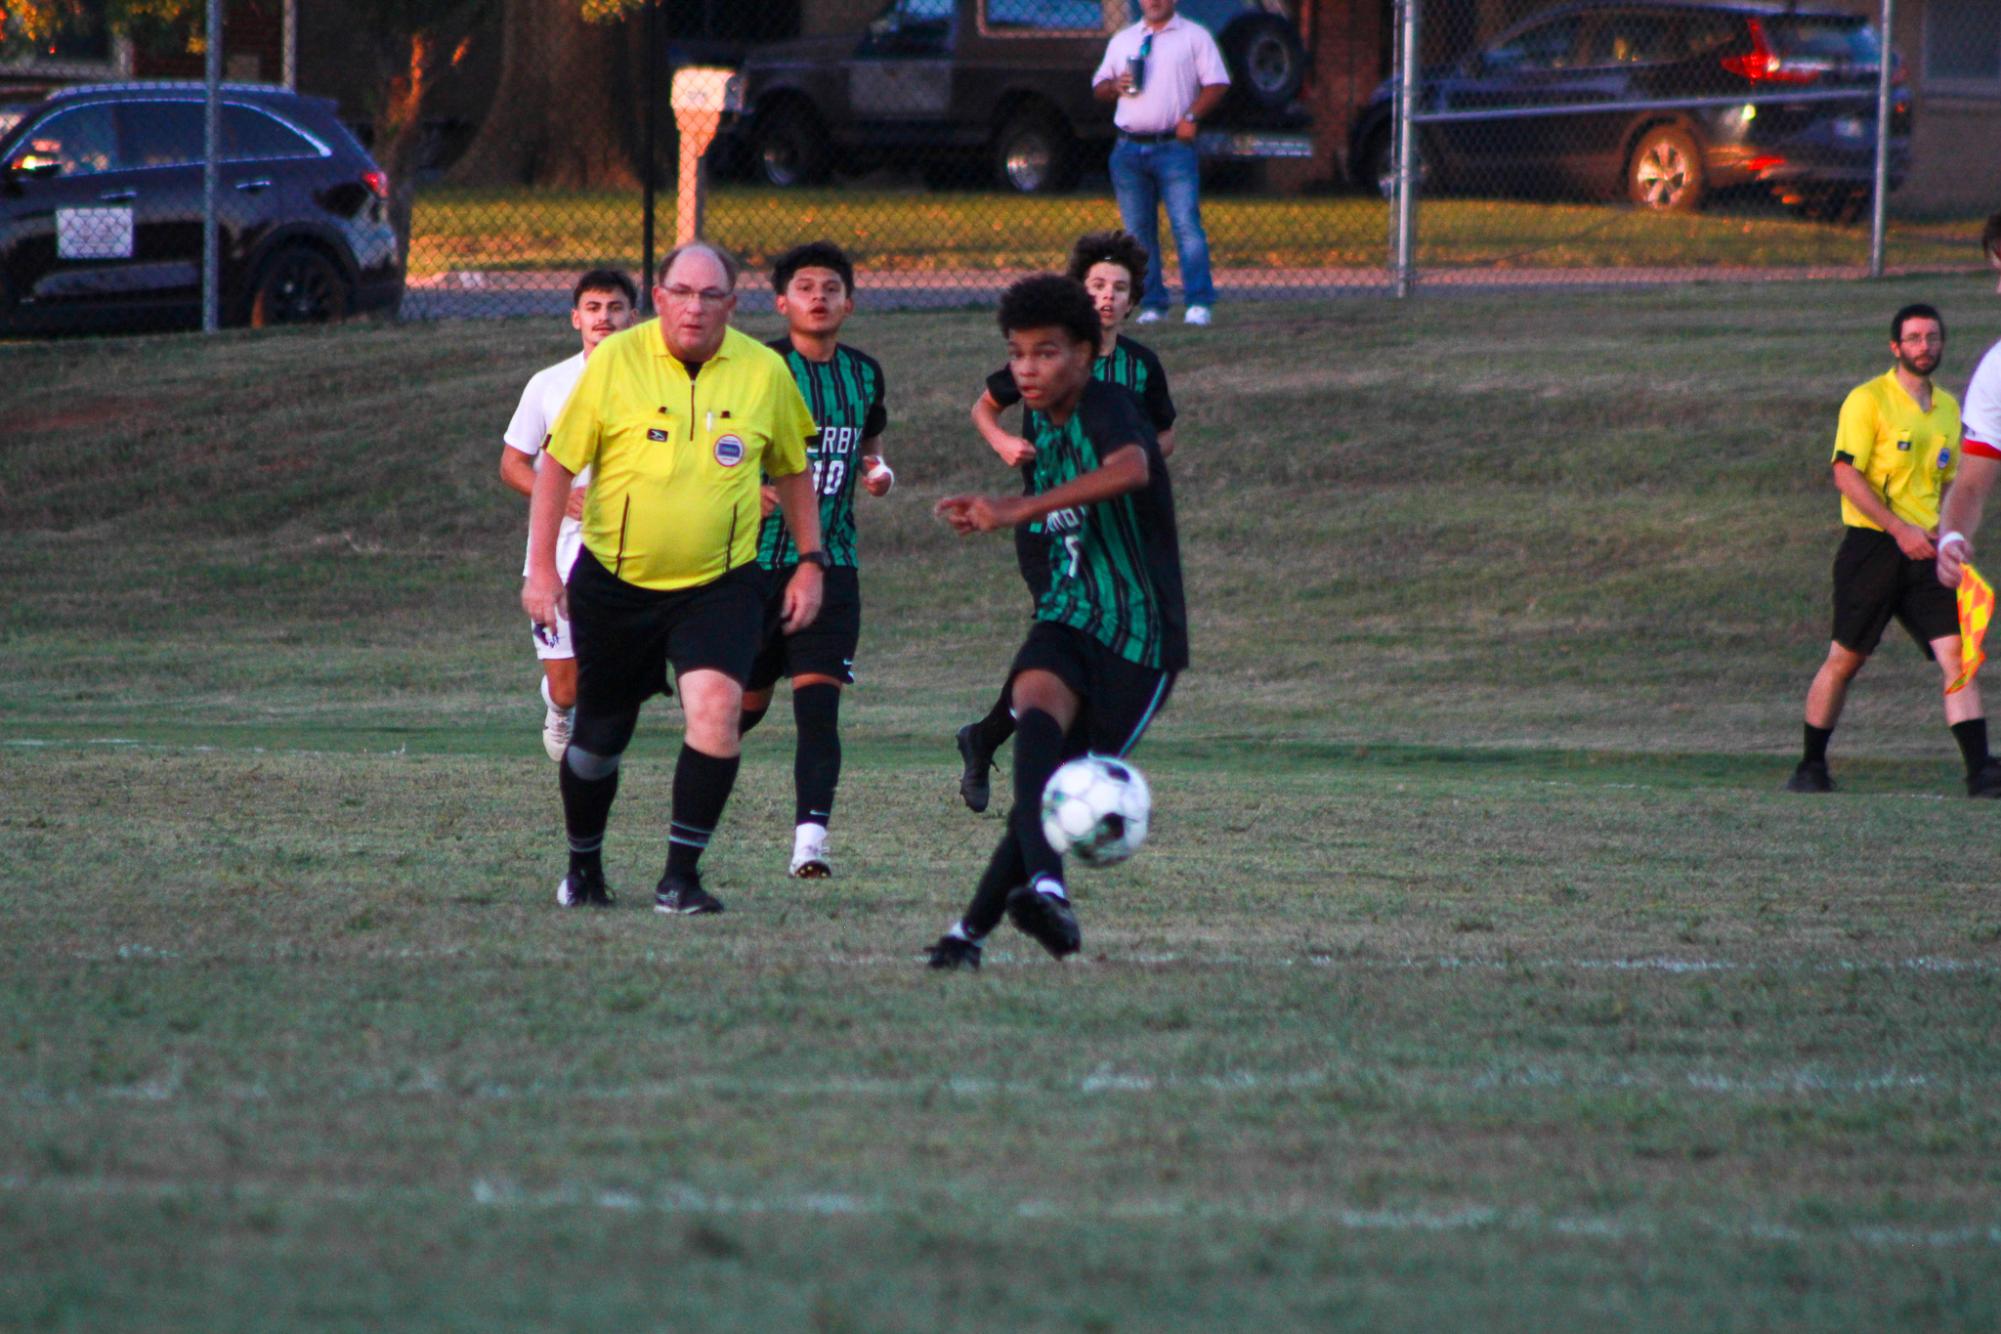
<point>1976,609</point>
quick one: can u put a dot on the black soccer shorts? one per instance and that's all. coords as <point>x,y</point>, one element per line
<point>824,648</point>
<point>1120,698</point>
<point>1875,581</point>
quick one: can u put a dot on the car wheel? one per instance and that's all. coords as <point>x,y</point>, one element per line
<point>1664,175</point>
<point>790,150</point>
<point>1266,60</point>
<point>1034,155</point>
<point>299,286</point>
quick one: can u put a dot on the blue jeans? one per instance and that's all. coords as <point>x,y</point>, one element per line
<point>1145,176</point>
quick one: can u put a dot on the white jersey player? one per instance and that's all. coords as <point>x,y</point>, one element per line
<point>603,302</point>
<point>1980,458</point>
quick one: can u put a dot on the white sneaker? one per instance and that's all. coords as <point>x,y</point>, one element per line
<point>809,853</point>
<point>556,732</point>
<point>1148,316</point>
<point>1196,315</point>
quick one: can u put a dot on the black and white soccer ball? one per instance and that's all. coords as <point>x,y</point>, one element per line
<point>1095,809</point>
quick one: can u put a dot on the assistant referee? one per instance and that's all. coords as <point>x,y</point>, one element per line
<point>680,417</point>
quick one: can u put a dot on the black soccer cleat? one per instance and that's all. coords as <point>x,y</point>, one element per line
<point>1986,781</point>
<point>683,894</point>
<point>1047,918</point>
<point>979,760</point>
<point>1812,776</point>
<point>584,889</point>
<point>953,952</point>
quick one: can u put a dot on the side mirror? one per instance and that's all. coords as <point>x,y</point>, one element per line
<point>34,166</point>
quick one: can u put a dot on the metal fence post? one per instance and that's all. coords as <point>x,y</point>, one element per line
<point>652,121</point>
<point>1879,205</point>
<point>1406,144</point>
<point>211,298</point>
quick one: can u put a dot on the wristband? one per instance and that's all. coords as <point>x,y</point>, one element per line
<point>881,469</point>
<point>1954,536</point>
<point>818,558</point>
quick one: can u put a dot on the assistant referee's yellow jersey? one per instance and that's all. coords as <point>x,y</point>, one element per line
<point>1907,454</point>
<point>674,500</point>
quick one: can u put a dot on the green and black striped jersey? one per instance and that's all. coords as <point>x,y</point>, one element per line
<point>845,396</point>
<point>1114,567</point>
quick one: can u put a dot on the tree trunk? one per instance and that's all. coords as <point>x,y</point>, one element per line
<point>399,130</point>
<point>554,119</point>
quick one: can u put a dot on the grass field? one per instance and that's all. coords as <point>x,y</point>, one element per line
<point>1478,975</point>
<point>909,229</point>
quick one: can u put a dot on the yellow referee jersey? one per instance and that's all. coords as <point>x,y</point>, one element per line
<point>1907,454</point>
<point>674,500</point>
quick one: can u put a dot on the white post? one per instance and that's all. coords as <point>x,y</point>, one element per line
<point>1880,204</point>
<point>1407,95</point>
<point>700,97</point>
<point>211,296</point>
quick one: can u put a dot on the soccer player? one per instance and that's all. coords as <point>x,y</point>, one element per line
<point>1112,268</point>
<point>1895,451</point>
<point>678,416</point>
<point>815,286</point>
<point>1110,632</point>
<point>602,304</point>
<point>1980,463</point>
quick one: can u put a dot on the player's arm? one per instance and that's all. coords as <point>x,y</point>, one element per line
<point>1124,470</point>
<point>877,475</point>
<point>1912,540</point>
<point>1013,449</point>
<point>801,509</point>
<point>542,593</point>
<point>517,470</point>
<point>1166,439</point>
<point>1965,500</point>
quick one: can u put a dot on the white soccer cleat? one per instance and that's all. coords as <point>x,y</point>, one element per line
<point>809,854</point>
<point>1196,315</point>
<point>556,732</point>
<point>1148,317</point>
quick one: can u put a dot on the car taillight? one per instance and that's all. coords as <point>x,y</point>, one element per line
<point>378,182</point>
<point>1763,65</point>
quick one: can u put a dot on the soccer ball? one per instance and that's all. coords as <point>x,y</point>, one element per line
<point>1095,809</point>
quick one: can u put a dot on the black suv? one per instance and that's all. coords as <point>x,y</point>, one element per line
<point>1003,85</point>
<point>101,209</point>
<point>1662,103</point>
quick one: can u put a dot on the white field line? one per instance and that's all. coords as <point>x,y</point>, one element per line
<point>685,1200</point>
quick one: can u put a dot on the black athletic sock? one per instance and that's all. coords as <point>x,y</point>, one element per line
<point>586,808</point>
<point>750,719</point>
<point>1816,744</point>
<point>994,729</point>
<point>816,762</point>
<point>1972,738</point>
<point>1038,752</point>
<point>1004,872</point>
<point>702,786</point>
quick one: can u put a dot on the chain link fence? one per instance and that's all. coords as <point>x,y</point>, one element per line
<point>1364,146</point>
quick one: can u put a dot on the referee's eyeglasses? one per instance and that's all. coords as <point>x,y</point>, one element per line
<point>708,296</point>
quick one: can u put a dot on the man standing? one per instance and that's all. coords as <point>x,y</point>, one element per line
<point>1166,74</point>
<point>1895,452</point>
<point>815,286</point>
<point>678,416</point>
<point>1981,463</point>
<point>601,305</point>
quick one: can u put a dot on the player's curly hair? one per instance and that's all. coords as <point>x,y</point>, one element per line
<point>812,255</point>
<point>1113,247</point>
<point>1049,301</point>
<point>605,280</point>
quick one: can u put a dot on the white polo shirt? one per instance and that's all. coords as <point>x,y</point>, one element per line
<point>1182,60</point>
<point>1982,414</point>
<point>541,404</point>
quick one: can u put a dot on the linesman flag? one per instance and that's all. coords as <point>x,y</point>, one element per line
<point>1976,609</point>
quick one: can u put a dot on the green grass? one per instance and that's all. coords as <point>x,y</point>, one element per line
<point>1477,974</point>
<point>909,229</point>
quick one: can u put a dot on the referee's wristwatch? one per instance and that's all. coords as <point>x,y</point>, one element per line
<point>818,558</point>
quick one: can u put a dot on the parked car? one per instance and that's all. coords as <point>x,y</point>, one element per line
<point>1685,100</point>
<point>101,209</point>
<point>1004,84</point>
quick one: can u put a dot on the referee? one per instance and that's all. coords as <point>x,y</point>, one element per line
<point>679,417</point>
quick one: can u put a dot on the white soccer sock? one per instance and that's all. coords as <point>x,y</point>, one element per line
<point>1050,885</point>
<point>547,698</point>
<point>809,840</point>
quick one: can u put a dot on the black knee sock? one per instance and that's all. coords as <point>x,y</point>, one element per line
<point>998,725</point>
<point>702,786</point>
<point>1816,744</point>
<point>1038,751</point>
<point>816,763</point>
<point>750,719</point>
<point>1003,873</point>
<point>1972,738</point>
<point>586,808</point>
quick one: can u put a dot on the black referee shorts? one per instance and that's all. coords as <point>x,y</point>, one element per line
<point>626,636</point>
<point>1875,581</point>
<point>824,648</point>
<point>1120,697</point>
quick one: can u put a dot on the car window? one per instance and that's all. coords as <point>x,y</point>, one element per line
<point>918,13</point>
<point>1045,15</point>
<point>249,133</point>
<point>1546,46</point>
<point>82,141</point>
<point>163,134</point>
<point>1803,40</point>
<point>1632,39</point>
<point>1702,34</point>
